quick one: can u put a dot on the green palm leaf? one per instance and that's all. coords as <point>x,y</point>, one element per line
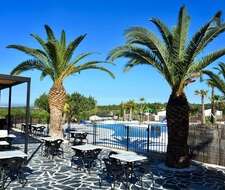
<point>54,57</point>
<point>217,81</point>
<point>176,58</point>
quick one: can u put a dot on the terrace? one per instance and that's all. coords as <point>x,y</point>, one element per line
<point>46,173</point>
<point>182,147</point>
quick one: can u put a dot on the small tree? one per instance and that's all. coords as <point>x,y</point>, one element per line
<point>42,102</point>
<point>202,94</point>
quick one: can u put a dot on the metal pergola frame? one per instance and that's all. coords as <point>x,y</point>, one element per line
<point>8,81</point>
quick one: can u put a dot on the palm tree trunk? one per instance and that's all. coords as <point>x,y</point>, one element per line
<point>203,109</point>
<point>124,114</point>
<point>57,96</point>
<point>130,114</point>
<point>212,106</point>
<point>177,115</point>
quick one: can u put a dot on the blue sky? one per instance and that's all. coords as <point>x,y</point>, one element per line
<point>104,21</point>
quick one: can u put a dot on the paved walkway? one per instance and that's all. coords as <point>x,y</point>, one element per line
<point>43,174</point>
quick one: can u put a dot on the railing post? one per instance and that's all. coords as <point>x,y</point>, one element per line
<point>128,138</point>
<point>148,137</point>
<point>94,132</point>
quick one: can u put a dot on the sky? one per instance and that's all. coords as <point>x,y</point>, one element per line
<point>104,21</point>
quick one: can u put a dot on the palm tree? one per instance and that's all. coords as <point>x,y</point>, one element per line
<point>179,61</point>
<point>218,82</point>
<point>202,94</point>
<point>130,105</point>
<point>55,60</point>
<point>123,110</point>
<point>212,98</point>
<point>141,111</point>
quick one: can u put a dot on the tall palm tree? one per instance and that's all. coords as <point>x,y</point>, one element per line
<point>141,111</point>
<point>55,59</point>
<point>202,94</point>
<point>179,61</point>
<point>212,98</point>
<point>130,105</point>
<point>123,110</point>
<point>216,79</point>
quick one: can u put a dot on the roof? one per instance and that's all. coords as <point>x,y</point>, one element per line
<point>7,81</point>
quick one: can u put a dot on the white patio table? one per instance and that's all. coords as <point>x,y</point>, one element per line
<point>86,147</point>
<point>49,139</point>
<point>4,143</point>
<point>126,157</point>
<point>11,154</point>
<point>129,159</point>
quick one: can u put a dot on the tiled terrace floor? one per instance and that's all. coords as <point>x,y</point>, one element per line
<point>57,174</point>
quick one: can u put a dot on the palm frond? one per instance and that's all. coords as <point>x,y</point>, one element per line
<point>206,60</point>
<point>63,39</point>
<point>82,68</point>
<point>81,57</point>
<point>40,41</point>
<point>36,53</point>
<point>72,46</point>
<point>217,81</point>
<point>181,33</point>
<point>221,69</point>
<point>202,38</point>
<point>28,65</point>
<point>50,33</point>
<point>164,31</point>
<point>141,36</point>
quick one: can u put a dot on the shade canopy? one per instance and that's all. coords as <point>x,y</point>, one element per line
<point>7,81</point>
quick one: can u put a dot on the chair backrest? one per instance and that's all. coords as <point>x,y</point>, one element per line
<point>3,133</point>
<point>108,166</point>
<point>97,152</point>
<point>78,153</point>
<point>15,163</point>
<point>84,135</point>
<point>113,168</point>
<point>56,143</point>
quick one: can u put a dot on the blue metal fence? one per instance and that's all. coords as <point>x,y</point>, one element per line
<point>138,138</point>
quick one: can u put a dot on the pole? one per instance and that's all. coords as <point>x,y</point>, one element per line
<point>148,136</point>
<point>9,108</point>
<point>27,116</point>
<point>127,137</point>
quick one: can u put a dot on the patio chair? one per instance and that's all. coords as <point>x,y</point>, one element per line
<point>12,169</point>
<point>45,150</point>
<point>77,159</point>
<point>86,160</point>
<point>139,170</point>
<point>79,139</point>
<point>40,130</point>
<point>55,148</point>
<point>91,158</point>
<point>112,173</point>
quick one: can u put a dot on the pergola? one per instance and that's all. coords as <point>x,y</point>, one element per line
<point>8,81</point>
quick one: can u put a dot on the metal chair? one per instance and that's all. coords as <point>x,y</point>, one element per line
<point>77,158</point>
<point>55,148</point>
<point>86,160</point>
<point>112,173</point>
<point>12,169</point>
<point>79,139</point>
<point>45,150</point>
<point>40,130</point>
<point>139,170</point>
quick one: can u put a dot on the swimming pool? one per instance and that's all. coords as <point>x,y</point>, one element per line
<point>139,138</point>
